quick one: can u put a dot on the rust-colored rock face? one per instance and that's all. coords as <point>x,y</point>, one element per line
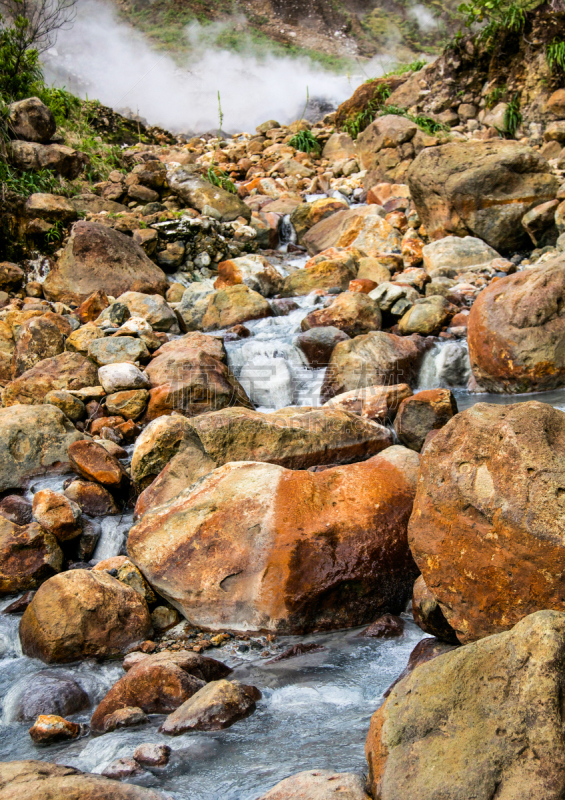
<point>516,331</point>
<point>65,371</point>
<point>487,529</point>
<point>28,556</point>
<point>95,463</point>
<point>255,546</point>
<point>81,614</point>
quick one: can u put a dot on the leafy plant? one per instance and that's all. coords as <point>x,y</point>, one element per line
<point>358,122</point>
<point>495,16</point>
<point>305,142</point>
<point>26,183</point>
<point>55,233</point>
<point>555,55</point>
<point>20,70</point>
<point>427,124</point>
<point>215,175</point>
<point>512,117</point>
<point>61,102</point>
<point>495,96</point>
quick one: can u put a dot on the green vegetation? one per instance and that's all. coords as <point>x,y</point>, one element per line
<point>19,71</point>
<point>215,175</point>
<point>425,123</point>
<point>306,142</point>
<point>496,16</point>
<point>494,97</point>
<point>512,117</point>
<point>358,122</point>
<point>555,55</point>
<point>25,183</point>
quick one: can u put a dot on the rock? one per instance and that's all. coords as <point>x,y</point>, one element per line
<point>81,614</point>
<point>363,228</point>
<point>152,755</point>
<point>11,276</point>
<point>254,271</point>
<point>428,614</point>
<point>50,207</point>
<point>233,306</point>
<point>516,345</point>
<point>373,269</point>
<point>156,688</point>
<point>318,343</point>
<point>79,340</point>
<point>489,491</point>
<point>480,188</point>
<point>362,285</point>
<point>92,461</point>
<point>330,274</point>
<point>425,651</point>
<point>71,406</point>
<point>352,313</point>
<point>117,350</point>
<point>506,691</point>
<point>423,412</point>
<point>16,509</point>
<point>306,215</point>
<point>194,304</point>
<point>151,307</point>
<point>130,404</point>
<point>28,556</point>
<point>128,574</point>
<point>122,376</point>
<point>376,359</point>
<point>97,257</point>
<point>44,781</point>
<point>45,692</point>
<point>123,768</point>
<point>33,439</point>
<point>31,120</point>
<point>196,192</point>
<point>63,372</point>
<point>339,147</point>
<point>164,617</point>
<point>297,650</point>
<point>395,298</point>
<point>92,307</point>
<point>379,403</point>
<point>38,338</point>
<point>206,669</point>
<point>452,255</point>
<point>389,626</point>
<point>385,132</point>
<point>539,222</point>
<point>556,103</point>
<point>58,158</point>
<point>125,718</point>
<point>320,784</point>
<point>50,728</point>
<point>91,498</point>
<point>426,317</point>
<point>217,705</point>
<point>281,577</point>
<point>57,514</point>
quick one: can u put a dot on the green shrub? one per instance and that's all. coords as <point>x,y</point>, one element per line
<point>496,15</point>
<point>221,179</point>
<point>305,142</point>
<point>20,69</point>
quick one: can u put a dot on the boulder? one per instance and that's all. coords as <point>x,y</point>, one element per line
<point>152,755</point>
<point>71,406</point>
<point>233,306</point>
<point>92,498</point>
<point>385,132</point>
<point>196,192</point>
<point>40,780</point>
<point>389,626</point>
<point>92,461</point>
<point>201,667</point>
<point>373,269</point>
<point>121,376</point>
<point>283,532</point>
<point>330,274</point>
<point>352,313</point>
<point>155,687</point>
<point>481,188</point>
<point>339,147</point>
<point>516,331</point>
<point>379,403</point>
<point>216,706</point>
<point>81,614</point>
<point>38,338</point>
<point>66,371</point>
<point>395,298</point>
<point>364,228</point>
<point>151,307</point>
<point>426,650</point>
<point>318,343</point>
<point>487,528</point>
<point>65,161</point>
<point>11,276</point>
<point>128,404</point>
<point>428,614</point>
<point>452,255</point>
<point>481,721</point>
<point>16,508</point>
<point>31,120</point>
<point>45,692</point>
<point>194,303</point>
<point>427,316</point>
<point>28,556</point>
<point>306,215</point>
<point>50,207</point>
<point>319,784</point>
<point>254,271</point>
<point>425,411</point>
<point>375,359</point>
<point>33,440</point>
<point>57,514</point>
<point>98,257</point>
<point>117,350</point>
<point>79,340</point>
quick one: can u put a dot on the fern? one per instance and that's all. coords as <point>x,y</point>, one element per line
<point>555,55</point>
<point>513,117</point>
<point>305,142</point>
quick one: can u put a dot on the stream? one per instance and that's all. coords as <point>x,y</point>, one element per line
<point>316,708</point>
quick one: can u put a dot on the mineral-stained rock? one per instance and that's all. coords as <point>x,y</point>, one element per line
<point>66,371</point>
<point>57,514</point>
<point>71,406</point>
<point>117,350</point>
<point>482,721</point>
<point>426,650</point>
<point>352,313</point>
<point>306,215</point>
<point>151,307</point>
<point>318,343</point>
<point>376,359</point>
<point>480,188</point>
<point>98,257</point>
<point>487,528</point>
<point>198,193</point>
<point>128,404</point>
<point>215,706</point>
<point>328,274</point>
<point>452,255</point>
<point>16,509</point>
<point>38,338</point>
<point>93,462</point>
<point>33,439</point>
<point>39,780</point>
<point>379,403</point>
<point>232,306</point>
<point>28,556</point>
<point>254,271</point>
<point>319,784</point>
<point>428,614</point>
<point>91,498</point>
<point>423,412</point>
<point>516,331</point>
<point>152,755</point>
<point>49,728</point>
<point>364,228</point>
<point>280,573</point>
<point>427,316</point>
<point>389,626</point>
<point>125,718</point>
<point>81,614</point>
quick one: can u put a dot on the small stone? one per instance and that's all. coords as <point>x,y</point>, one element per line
<point>57,514</point>
<point>123,768</point>
<point>71,406</point>
<point>164,617</point>
<point>125,718</point>
<point>91,461</point>
<point>389,626</point>
<point>91,498</point>
<point>129,404</point>
<point>122,377</point>
<point>49,728</point>
<point>17,509</point>
<point>117,349</point>
<point>152,755</point>
<point>19,605</point>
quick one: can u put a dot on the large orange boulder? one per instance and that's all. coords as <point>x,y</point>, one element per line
<point>516,331</point>
<point>364,228</point>
<point>256,546</point>
<point>488,529</point>
<point>81,614</point>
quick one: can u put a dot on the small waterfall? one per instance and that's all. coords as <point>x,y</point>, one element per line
<point>446,364</point>
<point>287,234</point>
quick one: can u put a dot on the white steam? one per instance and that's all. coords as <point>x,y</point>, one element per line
<point>424,17</point>
<point>106,59</point>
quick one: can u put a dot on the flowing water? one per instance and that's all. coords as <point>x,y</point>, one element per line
<point>315,709</point>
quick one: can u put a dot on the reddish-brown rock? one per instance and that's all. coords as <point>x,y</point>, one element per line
<point>423,412</point>
<point>375,402</point>
<point>28,556</point>
<point>50,728</point>
<point>91,308</point>
<point>354,313</point>
<point>57,514</point>
<point>81,614</point>
<point>293,545</point>
<point>426,650</point>
<point>389,626</point>
<point>487,529</point>
<point>67,371</point>
<point>91,498</point>
<point>516,331</point>
<point>38,338</point>
<point>95,463</point>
